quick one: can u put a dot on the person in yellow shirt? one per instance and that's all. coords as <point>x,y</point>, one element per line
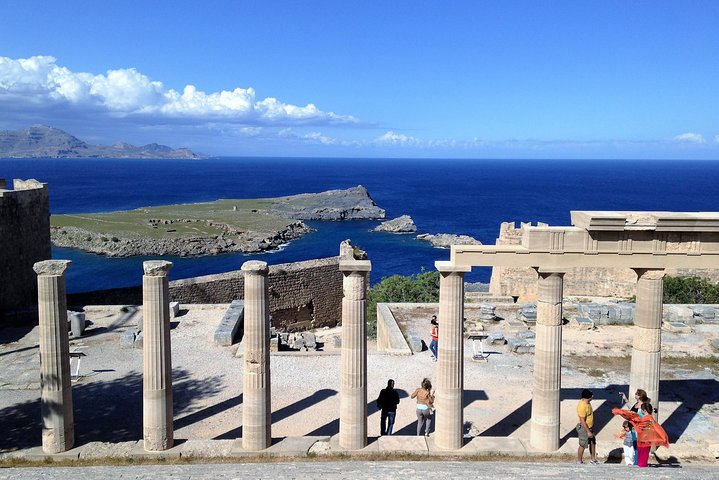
<point>585,428</point>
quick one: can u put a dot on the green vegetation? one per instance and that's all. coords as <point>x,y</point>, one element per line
<point>419,288</point>
<point>690,290</point>
<point>195,219</point>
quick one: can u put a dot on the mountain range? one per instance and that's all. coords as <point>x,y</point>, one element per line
<point>41,141</point>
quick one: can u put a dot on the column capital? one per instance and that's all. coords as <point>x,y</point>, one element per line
<point>51,267</point>
<point>351,266</point>
<point>445,266</point>
<point>156,268</point>
<point>255,267</point>
<point>650,273</point>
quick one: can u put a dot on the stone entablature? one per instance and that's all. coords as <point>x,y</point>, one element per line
<point>683,243</point>
<point>25,240</point>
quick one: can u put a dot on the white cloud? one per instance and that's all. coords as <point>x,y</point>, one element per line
<point>126,93</point>
<point>393,138</point>
<point>690,138</point>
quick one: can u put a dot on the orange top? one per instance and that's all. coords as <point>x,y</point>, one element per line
<point>435,332</point>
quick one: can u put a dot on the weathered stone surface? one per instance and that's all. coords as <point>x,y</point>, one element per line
<point>446,240</point>
<point>231,322</point>
<point>51,267</point>
<point>415,343</point>
<point>403,224</point>
<point>350,204</point>
<point>156,268</point>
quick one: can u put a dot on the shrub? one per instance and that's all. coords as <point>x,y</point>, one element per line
<point>690,290</point>
<point>419,288</point>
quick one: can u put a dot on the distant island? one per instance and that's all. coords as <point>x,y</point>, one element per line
<point>41,141</point>
<point>210,228</point>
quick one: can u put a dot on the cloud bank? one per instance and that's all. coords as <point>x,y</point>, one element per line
<point>39,83</point>
<point>690,138</point>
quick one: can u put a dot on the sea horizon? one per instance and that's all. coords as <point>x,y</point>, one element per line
<point>457,196</point>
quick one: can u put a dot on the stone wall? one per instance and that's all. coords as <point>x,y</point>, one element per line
<point>24,240</point>
<point>592,282</point>
<point>303,295</point>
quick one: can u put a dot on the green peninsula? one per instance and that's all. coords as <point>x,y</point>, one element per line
<point>209,228</point>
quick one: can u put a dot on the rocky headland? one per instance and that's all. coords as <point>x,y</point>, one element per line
<point>403,224</point>
<point>446,240</point>
<point>41,141</point>
<point>211,228</point>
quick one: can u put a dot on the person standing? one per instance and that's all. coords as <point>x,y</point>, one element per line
<point>433,344</point>
<point>387,402</point>
<point>425,406</point>
<point>585,431</point>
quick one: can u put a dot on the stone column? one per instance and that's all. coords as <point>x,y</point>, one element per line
<point>647,344</point>
<point>157,357</point>
<point>547,362</point>
<point>256,393</point>
<point>450,363</point>
<point>353,383</point>
<point>58,429</point>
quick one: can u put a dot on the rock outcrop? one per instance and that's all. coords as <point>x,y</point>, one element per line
<point>446,240</point>
<point>40,141</point>
<point>403,224</point>
<point>350,204</point>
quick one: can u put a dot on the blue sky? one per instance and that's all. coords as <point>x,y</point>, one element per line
<point>460,79</point>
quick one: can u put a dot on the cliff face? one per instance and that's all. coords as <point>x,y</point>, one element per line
<point>40,141</point>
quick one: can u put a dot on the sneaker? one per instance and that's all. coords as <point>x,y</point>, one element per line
<point>579,462</point>
<point>593,462</point>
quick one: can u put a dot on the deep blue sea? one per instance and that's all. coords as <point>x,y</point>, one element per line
<point>443,196</point>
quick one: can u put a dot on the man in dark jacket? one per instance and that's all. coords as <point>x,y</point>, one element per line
<point>387,402</point>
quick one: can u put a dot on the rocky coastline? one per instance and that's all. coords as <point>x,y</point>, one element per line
<point>213,228</point>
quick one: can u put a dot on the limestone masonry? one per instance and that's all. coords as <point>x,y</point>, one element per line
<point>25,240</point>
<point>303,295</point>
<point>521,282</point>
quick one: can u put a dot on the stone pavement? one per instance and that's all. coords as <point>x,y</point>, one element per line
<point>436,470</point>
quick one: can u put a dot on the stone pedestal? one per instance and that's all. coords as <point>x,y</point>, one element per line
<point>58,430</point>
<point>547,382</point>
<point>157,357</point>
<point>256,393</point>
<point>450,363</point>
<point>647,344</point>
<point>353,383</point>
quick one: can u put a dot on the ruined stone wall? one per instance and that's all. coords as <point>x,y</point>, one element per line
<point>302,295</point>
<point>24,240</point>
<point>584,281</point>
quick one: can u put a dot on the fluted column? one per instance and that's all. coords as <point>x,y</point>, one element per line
<point>157,357</point>
<point>353,383</point>
<point>547,381</point>
<point>450,361</point>
<point>58,429</point>
<point>256,393</point>
<point>647,344</point>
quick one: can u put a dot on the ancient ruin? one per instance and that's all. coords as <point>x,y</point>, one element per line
<point>646,242</point>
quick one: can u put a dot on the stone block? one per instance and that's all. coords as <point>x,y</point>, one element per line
<point>415,343</point>
<point>703,313</point>
<point>310,341</point>
<point>138,340</point>
<point>679,313</point>
<point>677,327</point>
<point>274,344</point>
<point>496,338</point>
<point>127,339</point>
<point>516,324</point>
<point>336,341</point>
<point>526,334</point>
<point>583,322</point>
<point>520,345</point>
<point>626,312</point>
<point>230,324</point>
<point>174,309</point>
